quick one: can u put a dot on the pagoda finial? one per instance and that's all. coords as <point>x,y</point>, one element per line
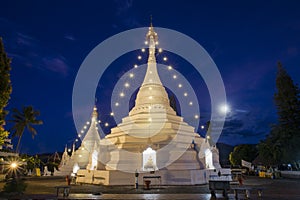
<point>151,76</point>
<point>151,21</point>
<point>152,40</point>
<point>95,113</point>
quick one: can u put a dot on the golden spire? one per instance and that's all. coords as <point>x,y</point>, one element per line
<point>152,40</point>
<point>95,113</point>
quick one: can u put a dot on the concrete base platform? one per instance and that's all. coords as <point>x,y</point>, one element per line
<point>161,177</point>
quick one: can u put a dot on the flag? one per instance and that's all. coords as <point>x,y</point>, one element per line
<point>246,164</point>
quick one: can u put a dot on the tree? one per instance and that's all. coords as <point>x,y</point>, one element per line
<point>287,131</point>
<point>245,152</point>
<point>282,144</point>
<point>5,90</point>
<point>25,119</point>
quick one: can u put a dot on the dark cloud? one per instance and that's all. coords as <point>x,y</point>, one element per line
<point>69,37</point>
<point>56,64</point>
<point>25,50</point>
<point>242,126</point>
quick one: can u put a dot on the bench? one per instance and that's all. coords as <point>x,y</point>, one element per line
<point>147,181</point>
<point>247,191</point>
<point>223,185</point>
<point>66,190</point>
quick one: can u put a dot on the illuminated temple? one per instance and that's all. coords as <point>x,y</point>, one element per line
<point>152,139</point>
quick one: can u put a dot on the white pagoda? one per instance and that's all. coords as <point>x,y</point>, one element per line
<point>86,156</point>
<point>151,139</point>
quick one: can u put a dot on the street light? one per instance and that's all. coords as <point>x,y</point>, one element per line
<point>14,165</point>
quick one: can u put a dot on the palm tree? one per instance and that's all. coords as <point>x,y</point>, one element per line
<point>22,120</point>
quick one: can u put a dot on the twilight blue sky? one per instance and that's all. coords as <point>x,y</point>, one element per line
<point>48,41</point>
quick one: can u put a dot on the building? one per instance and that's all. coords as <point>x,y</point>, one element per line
<point>151,139</point>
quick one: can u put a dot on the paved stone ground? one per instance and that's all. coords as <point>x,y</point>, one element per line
<point>43,188</point>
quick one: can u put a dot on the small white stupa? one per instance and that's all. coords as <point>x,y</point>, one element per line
<point>86,156</point>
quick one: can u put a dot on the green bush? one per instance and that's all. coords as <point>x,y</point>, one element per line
<point>15,185</point>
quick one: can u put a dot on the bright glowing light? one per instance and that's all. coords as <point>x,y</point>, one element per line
<point>135,66</point>
<point>79,135</point>
<point>208,137</point>
<point>143,50</point>
<point>122,94</point>
<point>117,104</point>
<point>196,116</point>
<point>82,131</point>
<point>80,156</point>
<point>150,88</point>
<point>224,109</point>
<point>150,119</point>
<point>96,128</point>
<point>165,58</point>
<point>85,127</point>
<point>88,122</point>
<point>14,165</point>
<point>139,57</point>
<point>150,97</point>
<point>180,85</point>
<point>99,121</point>
<point>111,114</point>
<point>160,50</point>
<point>190,103</point>
<point>126,85</point>
<point>185,94</point>
<point>146,42</point>
<point>76,140</point>
<point>156,42</point>
<point>202,127</point>
<point>174,76</point>
<point>170,67</point>
<point>106,124</point>
<point>131,75</point>
<point>69,150</point>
